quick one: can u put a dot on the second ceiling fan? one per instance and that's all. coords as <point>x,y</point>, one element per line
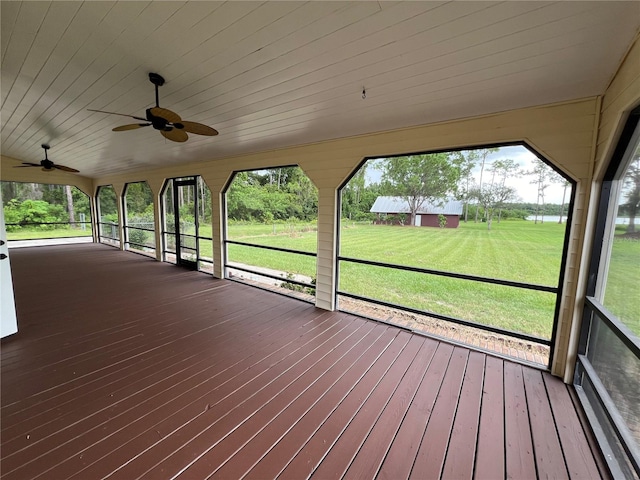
<point>169,123</point>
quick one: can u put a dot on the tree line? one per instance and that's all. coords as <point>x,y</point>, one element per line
<point>286,193</point>
<point>42,206</point>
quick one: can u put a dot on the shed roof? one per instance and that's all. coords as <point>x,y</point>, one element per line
<point>400,205</point>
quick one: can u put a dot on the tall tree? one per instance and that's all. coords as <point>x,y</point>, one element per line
<point>565,184</point>
<point>467,160</point>
<point>481,155</point>
<point>352,194</point>
<point>631,182</point>
<point>542,177</point>
<point>493,197</point>
<point>70,209</point>
<point>502,169</point>
<point>421,178</point>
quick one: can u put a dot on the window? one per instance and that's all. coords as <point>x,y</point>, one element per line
<point>36,211</point>
<point>464,244</point>
<point>271,225</point>
<point>139,224</point>
<point>608,371</point>
<point>108,226</point>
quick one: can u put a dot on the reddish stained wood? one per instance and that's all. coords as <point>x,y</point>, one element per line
<point>173,346</point>
<point>373,451</point>
<point>577,452</point>
<point>433,449</point>
<point>127,410</point>
<point>461,452</point>
<point>546,446</point>
<point>490,452</point>
<point>520,462</point>
<point>403,451</point>
<point>270,421</point>
<point>310,409</point>
<point>235,386</point>
<point>342,453</point>
<point>327,418</point>
<point>111,387</point>
<point>236,405</point>
<point>188,403</point>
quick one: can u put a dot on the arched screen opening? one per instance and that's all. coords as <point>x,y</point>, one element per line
<point>139,223</point>
<point>271,230</point>
<point>46,213</point>
<point>108,225</point>
<point>465,244</point>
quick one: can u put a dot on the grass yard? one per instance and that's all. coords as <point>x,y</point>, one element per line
<point>28,234</point>
<point>512,250</point>
<point>516,250</point>
<point>622,291</point>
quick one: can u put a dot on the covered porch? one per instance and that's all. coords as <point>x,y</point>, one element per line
<point>125,367</point>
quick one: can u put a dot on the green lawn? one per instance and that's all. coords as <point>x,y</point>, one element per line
<point>28,234</point>
<point>622,291</point>
<point>516,250</point>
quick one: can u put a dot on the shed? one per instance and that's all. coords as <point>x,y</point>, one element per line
<point>426,216</point>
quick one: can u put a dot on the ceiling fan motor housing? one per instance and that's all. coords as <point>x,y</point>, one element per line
<point>47,164</point>
<point>158,123</point>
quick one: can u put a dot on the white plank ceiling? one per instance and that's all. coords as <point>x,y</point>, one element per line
<point>274,74</point>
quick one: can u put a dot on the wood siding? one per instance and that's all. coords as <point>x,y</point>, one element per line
<point>125,367</point>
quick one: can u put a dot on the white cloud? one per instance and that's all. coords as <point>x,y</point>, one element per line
<point>527,191</point>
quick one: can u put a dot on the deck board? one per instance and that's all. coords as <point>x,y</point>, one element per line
<point>490,457</point>
<point>462,446</point>
<point>377,444</point>
<point>543,428</point>
<point>433,449</point>
<point>124,367</point>
<point>520,462</point>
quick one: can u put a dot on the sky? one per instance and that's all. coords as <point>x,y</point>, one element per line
<point>526,191</point>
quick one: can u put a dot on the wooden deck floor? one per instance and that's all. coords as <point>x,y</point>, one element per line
<point>128,368</point>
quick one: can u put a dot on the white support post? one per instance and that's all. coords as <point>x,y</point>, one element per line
<point>327,249</point>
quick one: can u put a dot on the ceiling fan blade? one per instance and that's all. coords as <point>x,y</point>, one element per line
<point>66,169</point>
<point>198,128</point>
<point>131,126</point>
<point>168,115</point>
<point>27,164</point>
<point>121,114</point>
<point>175,135</point>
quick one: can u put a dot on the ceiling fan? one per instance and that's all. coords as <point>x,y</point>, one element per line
<point>169,123</point>
<point>46,164</point>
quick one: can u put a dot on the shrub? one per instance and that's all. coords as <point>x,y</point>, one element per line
<point>138,237</point>
<point>294,287</point>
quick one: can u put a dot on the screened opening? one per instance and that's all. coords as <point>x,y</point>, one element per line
<point>271,230</point>
<point>46,212</point>
<point>108,226</point>
<point>186,223</point>
<point>608,372</point>
<point>464,244</point>
<point>139,224</point>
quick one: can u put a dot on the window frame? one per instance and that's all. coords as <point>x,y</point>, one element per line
<point>227,266</point>
<point>113,241</point>
<point>597,277</point>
